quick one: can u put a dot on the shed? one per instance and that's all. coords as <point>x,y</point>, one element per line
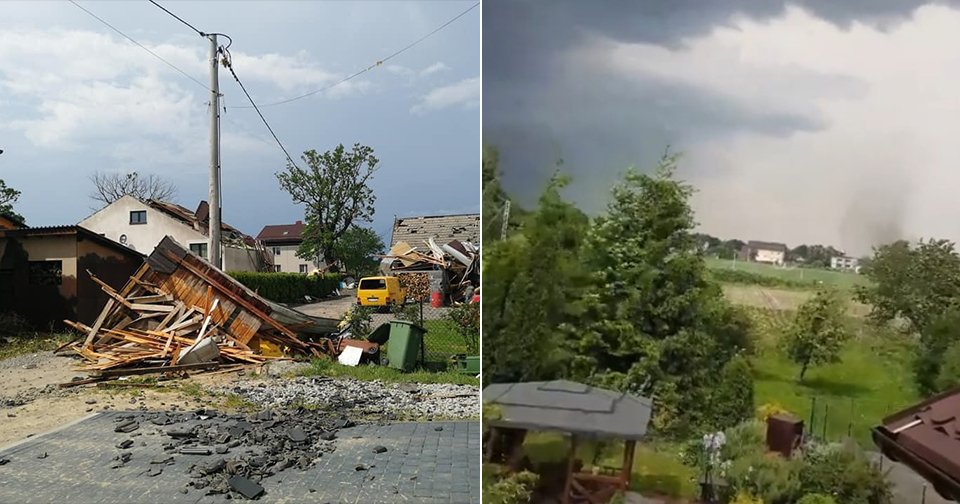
<point>43,273</point>
<point>574,409</point>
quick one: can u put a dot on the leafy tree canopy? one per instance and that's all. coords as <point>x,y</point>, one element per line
<point>333,188</point>
<point>9,196</point>
<point>818,332</point>
<point>357,249</point>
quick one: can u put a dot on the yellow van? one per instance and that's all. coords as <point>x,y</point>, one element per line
<point>380,291</point>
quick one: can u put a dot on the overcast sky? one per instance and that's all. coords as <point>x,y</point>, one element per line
<point>811,121</point>
<point>76,97</point>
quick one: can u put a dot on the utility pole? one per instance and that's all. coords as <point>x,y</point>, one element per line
<point>506,220</point>
<point>214,219</point>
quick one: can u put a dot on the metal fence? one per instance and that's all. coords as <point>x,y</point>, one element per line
<point>445,338</point>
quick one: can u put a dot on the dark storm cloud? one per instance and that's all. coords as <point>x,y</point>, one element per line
<point>534,109</point>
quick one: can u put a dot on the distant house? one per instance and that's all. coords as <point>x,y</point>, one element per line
<point>443,228</point>
<point>141,225</point>
<point>764,252</point>
<point>43,273</point>
<point>282,242</point>
<point>845,263</point>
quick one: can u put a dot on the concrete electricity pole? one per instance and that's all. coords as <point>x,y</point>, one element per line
<point>214,220</point>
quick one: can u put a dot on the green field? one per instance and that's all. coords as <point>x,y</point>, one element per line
<point>789,274</point>
<point>872,380</point>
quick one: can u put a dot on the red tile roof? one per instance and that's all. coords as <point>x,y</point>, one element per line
<point>282,233</point>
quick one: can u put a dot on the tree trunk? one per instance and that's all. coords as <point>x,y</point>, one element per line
<point>803,370</point>
<point>331,261</point>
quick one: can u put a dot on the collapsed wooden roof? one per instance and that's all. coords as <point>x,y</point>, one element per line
<point>175,300</point>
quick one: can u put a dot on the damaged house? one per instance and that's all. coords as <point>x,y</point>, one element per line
<point>141,225</point>
<point>436,257</point>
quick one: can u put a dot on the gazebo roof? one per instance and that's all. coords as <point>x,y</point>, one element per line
<point>570,407</point>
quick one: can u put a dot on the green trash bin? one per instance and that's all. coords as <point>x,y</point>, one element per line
<point>406,342</point>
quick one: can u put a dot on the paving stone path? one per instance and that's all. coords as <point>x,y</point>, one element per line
<point>425,462</point>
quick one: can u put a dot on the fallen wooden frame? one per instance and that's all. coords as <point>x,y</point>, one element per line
<point>176,300</point>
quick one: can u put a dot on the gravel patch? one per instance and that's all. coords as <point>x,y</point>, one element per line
<point>406,400</point>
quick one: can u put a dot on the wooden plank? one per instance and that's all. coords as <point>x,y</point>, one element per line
<point>170,316</point>
<point>155,298</point>
<point>107,310</point>
<point>140,307</point>
<point>160,369</point>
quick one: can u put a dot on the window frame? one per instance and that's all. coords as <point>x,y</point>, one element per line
<point>205,249</point>
<point>138,212</point>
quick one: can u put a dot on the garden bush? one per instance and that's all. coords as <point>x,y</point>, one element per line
<point>844,472</point>
<point>288,287</point>
<point>466,318</point>
<point>515,488</point>
<point>733,398</point>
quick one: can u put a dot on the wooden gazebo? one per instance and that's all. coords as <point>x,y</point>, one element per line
<point>577,410</point>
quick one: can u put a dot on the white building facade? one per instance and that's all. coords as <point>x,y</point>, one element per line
<point>141,225</point>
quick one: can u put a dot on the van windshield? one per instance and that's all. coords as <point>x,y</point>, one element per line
<point>373,284</point>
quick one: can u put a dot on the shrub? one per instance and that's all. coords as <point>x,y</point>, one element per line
<point>733,398</point>
<point>516,488</point>
<point>360,319</point>
<point>816,499</point>
<point>409,312</point>
<point>288,287</point>
<point>467,320</point>
<point>770,477</point>
<point>749,278</point>
<point>746,498</point>
<point>843,471</point>
<point>767,410</point>
<point>949,375</point>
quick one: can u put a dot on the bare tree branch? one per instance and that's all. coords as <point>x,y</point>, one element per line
<point>110,187</point>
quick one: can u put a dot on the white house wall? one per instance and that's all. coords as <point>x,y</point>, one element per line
<point>287,258</point>
<point>769,256</point>
<point>113,221</point>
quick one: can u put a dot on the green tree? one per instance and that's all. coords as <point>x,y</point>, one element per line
<point>535,276</point>
<point>356,249</point>
<point>9,196</point>
<point>915,284</point>
<point>733,396</point>
<point>650,321</point>
<point>333,188</point>
<point>936,365</point>
<point>817,333</point>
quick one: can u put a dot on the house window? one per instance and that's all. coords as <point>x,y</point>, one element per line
<point>276,251</point>
<point>199,248</point>
<point>276,268</point>
<point>303,268</point>
<point>138,217</point>
<point>45,272</point>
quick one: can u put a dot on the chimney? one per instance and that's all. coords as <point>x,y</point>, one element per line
<point>299,223</point>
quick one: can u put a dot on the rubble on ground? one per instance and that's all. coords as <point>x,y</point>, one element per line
<point>452,269</point>
<point>365,398</point>
<point>232,452</point>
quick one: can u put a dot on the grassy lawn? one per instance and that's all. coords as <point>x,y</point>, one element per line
<point>837,279</point>
<point>12,346</point>
<point>873,380</point>
<point>329,368</point>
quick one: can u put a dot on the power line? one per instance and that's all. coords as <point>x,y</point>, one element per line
<point>371,67</point>
<point>227,62</point>
<point>178,18</point>
<point>155,55</point>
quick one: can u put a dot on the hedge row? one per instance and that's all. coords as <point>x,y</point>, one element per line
<point>751,278</point>
<point>288,287</point>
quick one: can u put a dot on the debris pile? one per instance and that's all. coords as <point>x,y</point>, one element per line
<point>177,311</point>
<point>231,454</point>
<point>458,262</point>
<point>373,399</point>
